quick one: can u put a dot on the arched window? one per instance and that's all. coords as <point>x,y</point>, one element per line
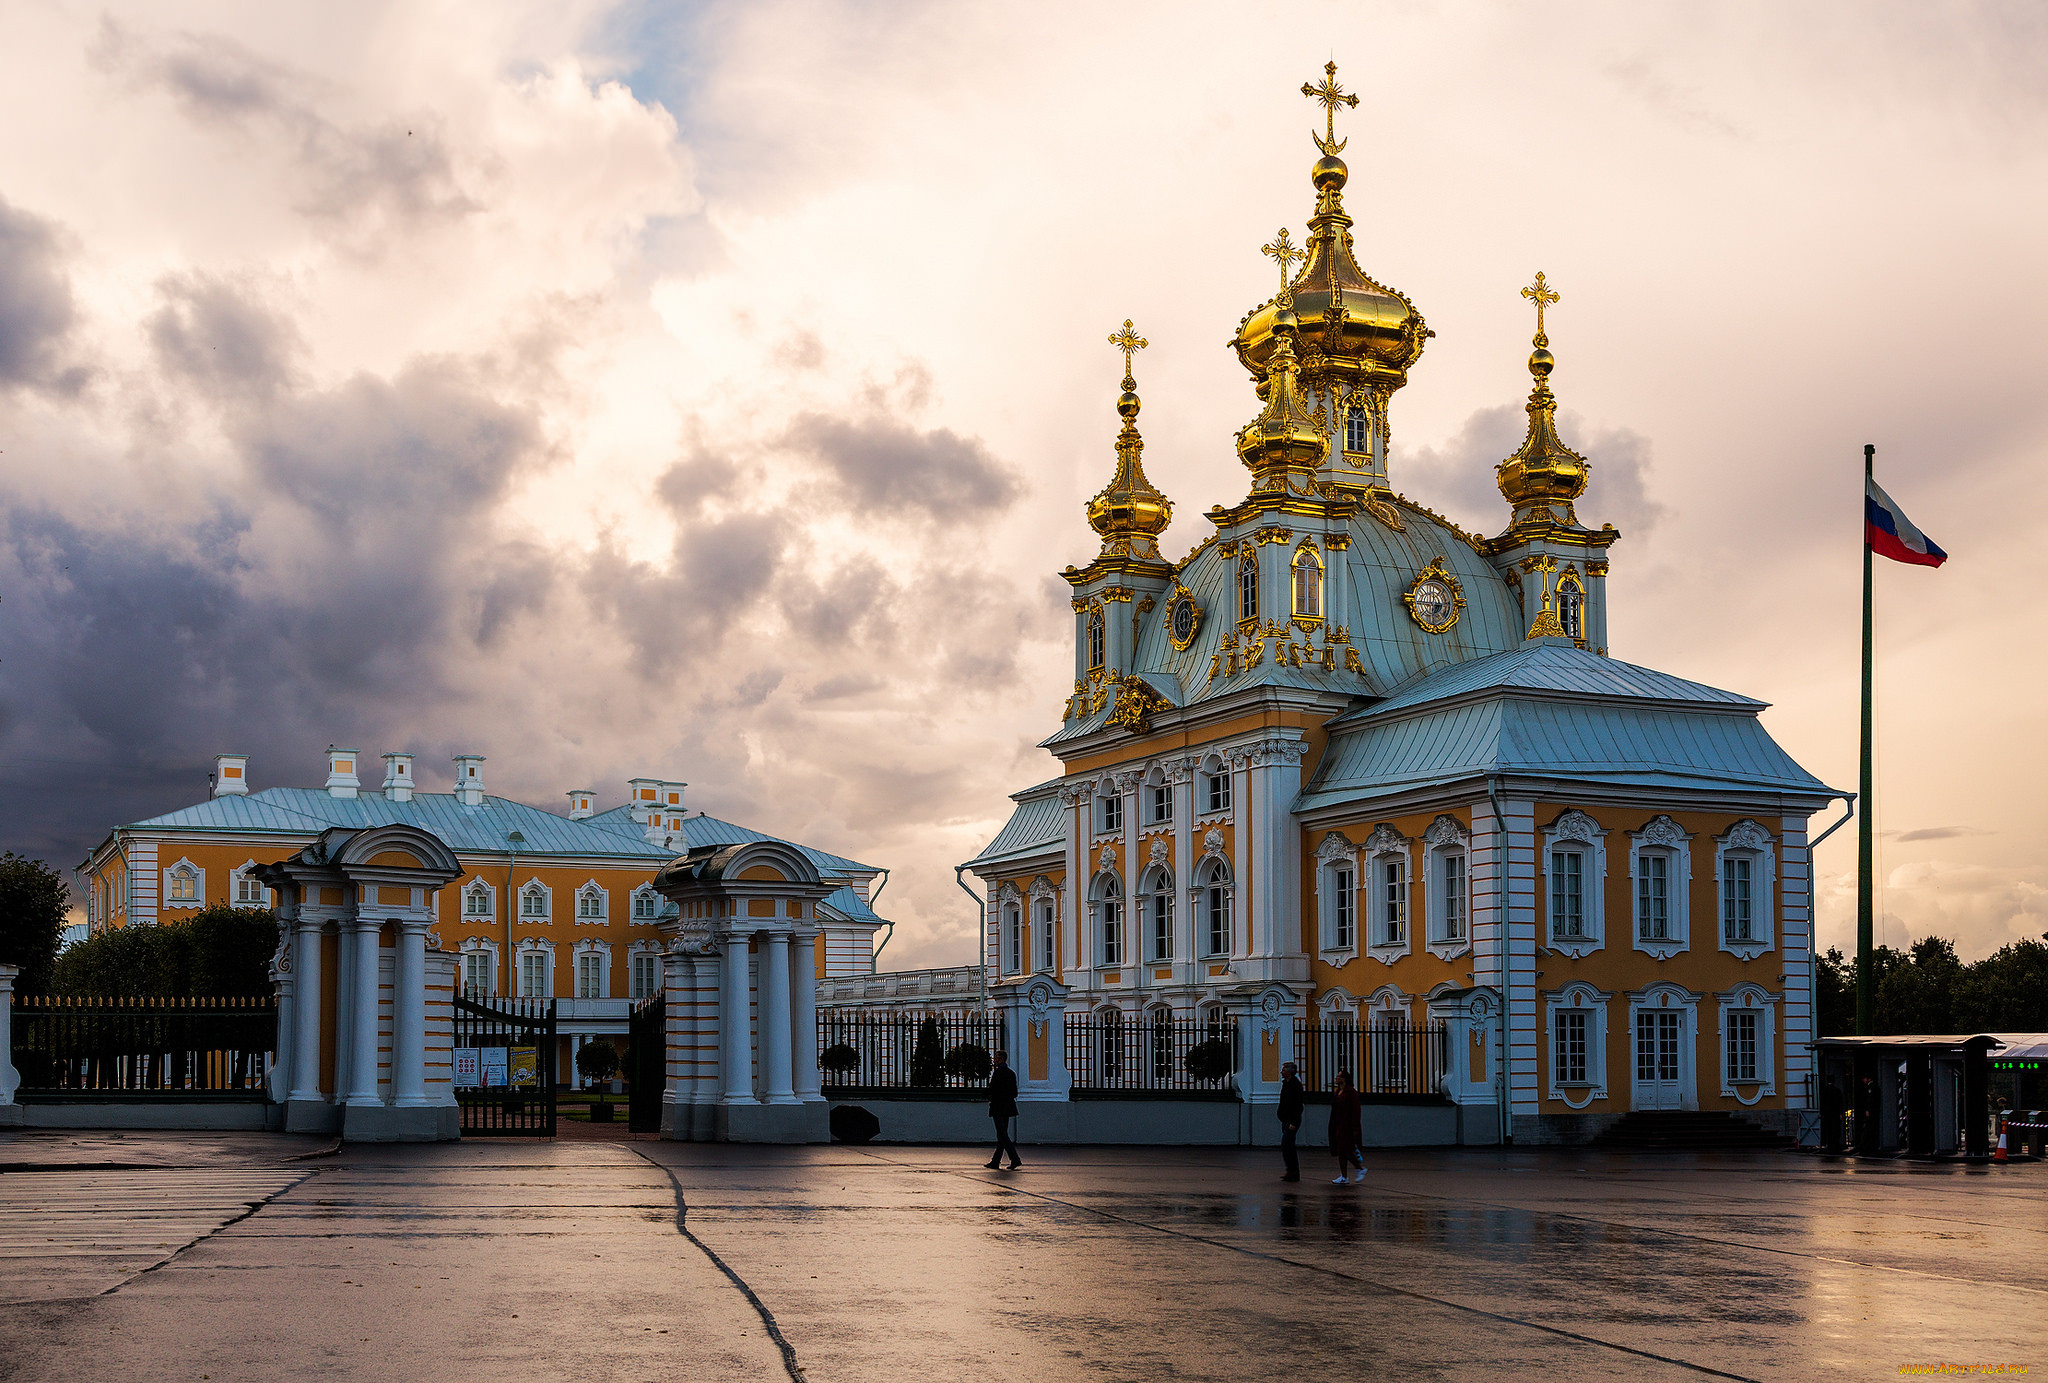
<point>1308,584</point>
<point>1109,916</point>
<point>476,900</point>
<point>1215,895</point>
<point>1095,647</point>
<point>1571,606</point>
<point>646,903</point>
<point>182,884</point>
<point>533,900</point>
<point>1162,1045</point>
<point>1013,938</point>
<point>1355,435</point>
<point>1248,588</point>
<point>1047,936</point>
<point>1159,913</point>
<point>590,901</point>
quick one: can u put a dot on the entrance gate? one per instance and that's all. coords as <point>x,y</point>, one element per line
<point>648,1059</point>
<point>524,1031</point>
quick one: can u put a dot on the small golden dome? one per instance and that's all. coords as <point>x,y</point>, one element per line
<point>1283,437</point>
<point>1544,470</point>
<point>1129,512</point>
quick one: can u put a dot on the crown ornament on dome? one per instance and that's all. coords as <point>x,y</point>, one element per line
<point>1283,441</point>
<point>1349,328</point>
<point>1130,512</point>
<point>1544,471</point>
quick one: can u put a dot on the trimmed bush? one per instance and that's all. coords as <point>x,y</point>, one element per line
<point>1208,1060</point>
<point>220,951</point>
<point>928,1057</point>
<point>970,1062</point>
<point>839,1058</point>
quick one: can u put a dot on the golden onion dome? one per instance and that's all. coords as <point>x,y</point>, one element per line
<point>1283,437</point>
<point>1543,470</point>
<point>1129,512</point>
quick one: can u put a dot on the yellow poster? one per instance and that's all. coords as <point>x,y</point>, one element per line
<point>525,1066</point>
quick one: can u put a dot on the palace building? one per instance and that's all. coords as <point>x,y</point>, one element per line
<point>544,905</point>
<point>1350,764</point>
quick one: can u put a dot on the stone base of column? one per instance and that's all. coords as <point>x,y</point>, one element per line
<point>689,1122</point>
<point>11,1114</point>
<point>772,1123</point>
<point>311,1116</point>
<point>365,1123</point>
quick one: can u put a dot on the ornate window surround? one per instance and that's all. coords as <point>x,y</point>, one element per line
<point>1154,884</point>
<point>654,909</point>
<point>1445,836</point>
<point>1106,888</point>
<point>1213,870</point>
<point>529,946</point>
<point>236,875</point>
<point>1668,996</point>
<point>1747,838</point>
<point>601,949</point>
<point>546,915</point>
<point>184,869</point>
<point>1577,997</point>
<point>1662,835</point>
<point>1044,926</point>
<point>1008,908</point>
<point>1384,846</point>
<point>1336,853</point>
<point>1750,998</point>
<point>604,904</point>
<point>478,945</point>
<point>1574,827</point>
<point>490,897</point>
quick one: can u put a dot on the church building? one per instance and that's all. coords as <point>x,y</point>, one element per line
<point>1350,763</point>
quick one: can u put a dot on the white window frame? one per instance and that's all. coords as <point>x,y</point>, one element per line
<point>1337,900</point>
<point>603,913</point>
<point>546,952</point>
<point>1211,780</point>
<point>1155,890</point>
<point>1214,883</point>
<point>1665,838</point>
<point>1575,830</point>
<point>1109,813</point>
<point>653,913</point>
<point>184,869</point>
<point>490,897</point>
<point>1577,997</point>
<point>546,913</point>
<point>1669,998</point>
<point>1446,839</point>
<point>1044,927</point>
<point>1383,848</point>
<point>1159,802</point>
<point>1010,926</point>
<point>241,874</point>
<point>1110,912</point>
<point>1753,999</point>
<point>602,954</point>
<point>643,955</point>
<point>477,946</point>
<point>1748,840</point>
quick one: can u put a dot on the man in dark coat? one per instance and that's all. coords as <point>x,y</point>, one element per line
<point>1290,1119</point>
<point>1002,1107</point>
<point>1346,1131</point>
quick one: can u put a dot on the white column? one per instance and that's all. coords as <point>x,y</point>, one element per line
<point>803,1013</point>
<point>409,1017</point>
<point>778,1082</point>
<point>344,1004</point>
<point>362,1066</point>
<point>306,998</point>
<point>735,1042</point>
<point>10,1079</point>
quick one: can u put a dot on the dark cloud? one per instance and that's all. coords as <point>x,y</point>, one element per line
<point>885,466</point>
<point>1456,479</point>
<point>1939,833</point>
<point>688,485</point>
<point>718,572</point>
<point>220,336</point>
<point>35,297</point>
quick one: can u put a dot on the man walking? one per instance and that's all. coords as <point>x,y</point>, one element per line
<point>1002,1107</point>
<point>1345,1130</point>
<point>1290,1119</point>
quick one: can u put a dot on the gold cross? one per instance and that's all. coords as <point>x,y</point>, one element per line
<point>1128,341</point>
<point>1540,294</point>
<point>1286,251</point>
<point>1332,96</point>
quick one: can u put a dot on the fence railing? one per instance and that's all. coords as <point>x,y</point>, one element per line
<point>1383,1058</point>
<point>933,1049</point>
<point>1145,1053</point>
<point>143,1048</point>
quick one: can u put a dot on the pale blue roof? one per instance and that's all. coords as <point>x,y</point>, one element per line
<point>851,906</point>
<point>700,830</point>
<point>1551,710</point>
<point>477,829</point>
<point>1039,820</point>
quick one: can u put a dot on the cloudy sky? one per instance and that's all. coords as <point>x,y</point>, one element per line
<point>712,391</point>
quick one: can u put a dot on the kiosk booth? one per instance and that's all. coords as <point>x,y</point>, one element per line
<point>1920,1096</point>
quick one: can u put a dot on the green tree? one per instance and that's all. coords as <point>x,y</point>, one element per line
<point>33,902</point>
<point>221,951</point>
<point>928,1057</point>
<point>597,1060</point>
<point>2007,991</point>
<point>1835,985</point>
<point>1918,991</point>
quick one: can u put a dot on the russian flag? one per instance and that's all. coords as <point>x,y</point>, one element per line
<point>1891,534</point>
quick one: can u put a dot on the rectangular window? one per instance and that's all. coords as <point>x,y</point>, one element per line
<point>644,976</point>
<point>1567,893</point>
<point>476,972</point>
<point>1162,805</point>
<point>1742,1047</point>
<point>1354,429</point>
<point>1112,813</point>
<point>1571,1046</point>
<point>589,976</point>
<point>476,903</point>
<point>1218,898</point>
<point>1454,897</point>
<point>1162,923</point>
<point>184,886</point>
<point>1219,791</point>
<point>533,975</point>
<point>1393,904</point>
<point>1046,940</point>
<point>1112,932</point>
<point>1343,904</point>
<point>643,905</point>
<point>1736,919</point>
<point>1653,897</point>
<point>248,890</point>
<point>1013,940</point>
<point>590,904</point>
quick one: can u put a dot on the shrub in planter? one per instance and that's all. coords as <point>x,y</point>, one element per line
<point>1208,1060</point>
<point>928,1057</point>
<point>969,1062</point>
<point>839,1058</point>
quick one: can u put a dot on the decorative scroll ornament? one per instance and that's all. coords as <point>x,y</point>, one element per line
<point>1747,835</point>
<point>1576,825</point>
<point>1106,863</point>
<point>1662,830</point>
<point>1270,1009</point>
<point>1159,850</point>
<point>1447,830</point>
<point>1136,704</point>
<point>1385,840</point>
<point>1212,843</point>
<point>1039,996</point>
<point>1336,846</point>
<point>1183,618</point>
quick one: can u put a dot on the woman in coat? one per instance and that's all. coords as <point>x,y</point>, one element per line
<point>1345,1132</point>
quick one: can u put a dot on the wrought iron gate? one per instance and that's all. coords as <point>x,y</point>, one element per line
<point>495,1040</point>
<point>648,1060</point>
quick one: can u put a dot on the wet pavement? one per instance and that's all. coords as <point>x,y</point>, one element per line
<point>220,1257</point>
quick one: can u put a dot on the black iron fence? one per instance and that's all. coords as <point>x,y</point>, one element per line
<point>1383,1058</point>
<point>1150,1053</point>
<point>505,1076</point>
<point>134,1048</point>
<point>924,1049</point>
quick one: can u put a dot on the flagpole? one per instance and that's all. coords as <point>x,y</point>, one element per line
<point>1864,862</point>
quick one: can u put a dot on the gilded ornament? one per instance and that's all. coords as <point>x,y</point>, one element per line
<point>1183,618</point>
<point>1130,513</point>
<point>1435,598</point>
<point>1136,704</point>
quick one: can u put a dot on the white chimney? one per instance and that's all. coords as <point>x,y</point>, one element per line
<point>341,772</point>
<point>644,795</point>
<point>230,775</point>
<point>398,777</point>
<point>580,803</point>
<point>469,779</point>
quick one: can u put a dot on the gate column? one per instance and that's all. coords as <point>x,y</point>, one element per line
<point>362,1081</point>
<point>409,1017</point>
<point>803,1018</point>
<point>736,1050</point>
<point>777,1080</point>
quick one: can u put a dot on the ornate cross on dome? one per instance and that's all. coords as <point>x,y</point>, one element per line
<point>1332,96</point>
<point>1286,251</point>
<point>1541,294</point>
<point>1128,342</point>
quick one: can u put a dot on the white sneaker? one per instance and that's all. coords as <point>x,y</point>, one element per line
<point>1358,1175</point>
<point>1337,1181</point>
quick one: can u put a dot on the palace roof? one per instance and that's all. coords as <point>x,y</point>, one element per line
<point>1038,823</point>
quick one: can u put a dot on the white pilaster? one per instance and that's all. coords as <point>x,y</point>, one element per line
<point>1795,946</point>
<point>735,1039</point>
<point>10,1079</point>
<point>362,1064</point>
<point>306,993</point>
<point>1184,868</point>
<point>803,1016</point>
<point>409,1017</point>
<point>778,1083</point>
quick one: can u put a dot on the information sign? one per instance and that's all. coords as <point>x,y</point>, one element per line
<point>494,1065</point>
<point>525,1065</point>
<point>468,1068</point>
